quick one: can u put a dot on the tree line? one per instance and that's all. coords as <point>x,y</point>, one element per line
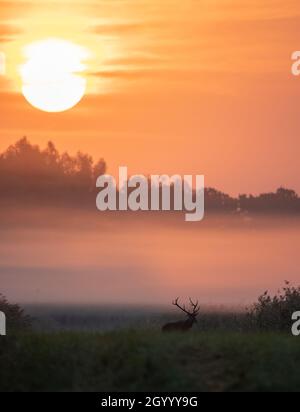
<point>31,174</point>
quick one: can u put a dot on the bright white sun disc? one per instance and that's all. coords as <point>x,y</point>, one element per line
<point>51,76</point>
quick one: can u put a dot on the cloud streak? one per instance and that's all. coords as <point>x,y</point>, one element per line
<point>8,32</point>
<point>123,28</point>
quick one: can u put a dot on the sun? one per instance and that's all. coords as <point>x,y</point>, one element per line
<point>52,78</point>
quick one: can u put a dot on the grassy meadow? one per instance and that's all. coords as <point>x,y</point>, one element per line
<point>122,349</point>
<point>147,360</point>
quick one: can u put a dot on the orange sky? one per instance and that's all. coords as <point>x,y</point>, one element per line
<point>194,86</point>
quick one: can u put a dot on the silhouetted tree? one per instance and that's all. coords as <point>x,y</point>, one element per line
<point>280,201</point>
<point>15,315</point>
<point>275,312</point>
<point>28,171</point>
<point>34,175</point>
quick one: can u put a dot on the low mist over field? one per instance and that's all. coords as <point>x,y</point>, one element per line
<point>59,256</point>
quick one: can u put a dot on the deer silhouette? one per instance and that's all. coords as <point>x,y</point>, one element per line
<point>187,324</point>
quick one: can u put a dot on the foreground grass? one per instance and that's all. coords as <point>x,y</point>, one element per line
<point>149,361</point>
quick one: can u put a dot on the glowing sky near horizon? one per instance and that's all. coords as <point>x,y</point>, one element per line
<point>198,86</point>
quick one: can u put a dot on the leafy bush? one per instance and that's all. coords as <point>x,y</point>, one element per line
<point>15,315</point>
<point>274,313</point>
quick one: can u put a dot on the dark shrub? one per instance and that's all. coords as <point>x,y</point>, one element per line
<point>15,316</point>
<point>274,313</point>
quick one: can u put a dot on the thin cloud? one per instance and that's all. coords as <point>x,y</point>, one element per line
<point>136,60</point>
<point>119,29</point>
<point>123,74</point>
<point>8,32</point>
<point>10,9</point>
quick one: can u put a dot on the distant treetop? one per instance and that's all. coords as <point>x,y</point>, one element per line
<point>30,174</point>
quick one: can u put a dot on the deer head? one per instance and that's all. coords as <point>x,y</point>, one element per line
<point>192,313</point>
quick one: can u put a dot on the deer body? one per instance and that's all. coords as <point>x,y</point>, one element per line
<point>184,325</point>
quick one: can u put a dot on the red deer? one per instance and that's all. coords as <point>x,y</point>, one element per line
<point>187,324</point>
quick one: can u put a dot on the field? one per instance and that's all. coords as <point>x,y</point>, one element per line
<point>147,360</point>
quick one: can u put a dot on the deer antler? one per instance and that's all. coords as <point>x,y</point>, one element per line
<point>175,303</point>
<point>195,307</point>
